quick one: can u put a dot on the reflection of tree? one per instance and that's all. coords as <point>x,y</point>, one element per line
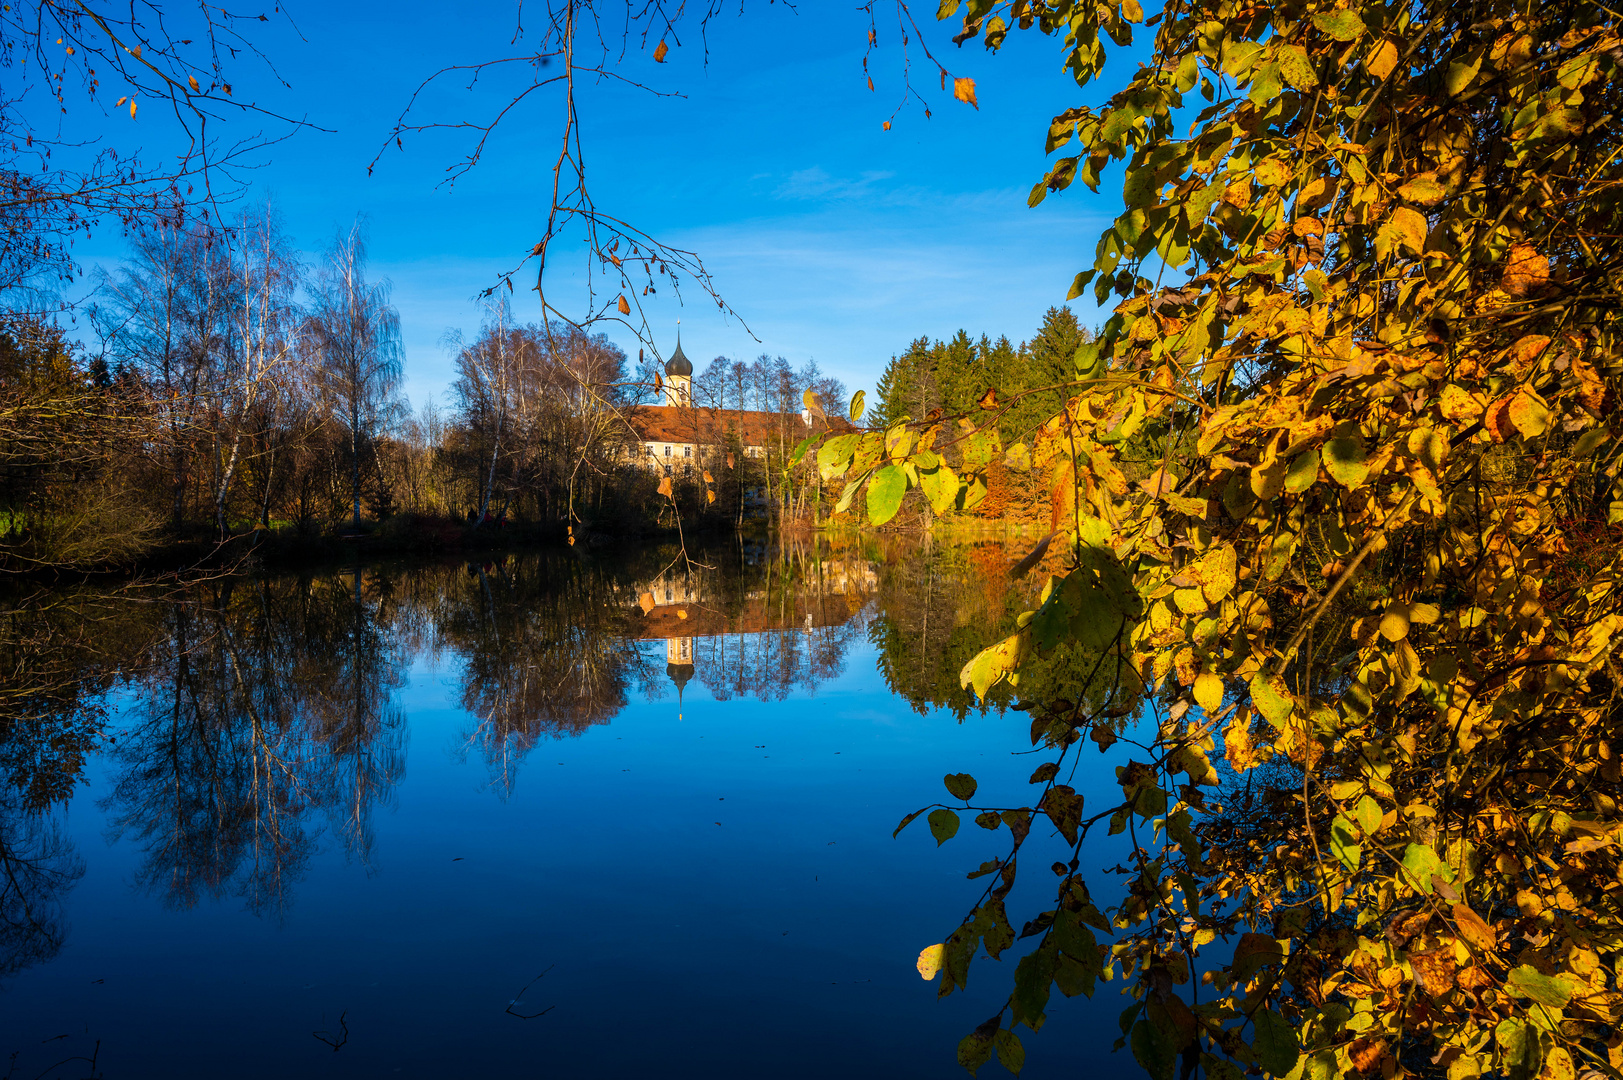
<point>59,653</point>
<point>543,651</point>
<point>265,701</point>
<point>38,866</point>
<point>940,606</point>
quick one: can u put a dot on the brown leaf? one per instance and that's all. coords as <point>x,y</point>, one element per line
<point>1366,1054</point>
<point>660,50</point>
<point>1402,929</point>
<point>1033,557</point>
<point>989,399</point>
<point>1526,271</point>
<point>964,90</point>
<point>1434,970</point>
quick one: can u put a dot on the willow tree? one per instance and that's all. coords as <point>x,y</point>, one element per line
<point>1360,593</point>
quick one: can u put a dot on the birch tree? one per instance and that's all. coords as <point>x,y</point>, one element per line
<point>354,336</point>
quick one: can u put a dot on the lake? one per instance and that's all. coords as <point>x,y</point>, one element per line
<point>562,813</point>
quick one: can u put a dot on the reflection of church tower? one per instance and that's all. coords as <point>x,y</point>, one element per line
<point>679,665</point>
<point>678,376</point>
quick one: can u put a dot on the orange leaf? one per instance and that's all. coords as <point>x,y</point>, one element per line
<point>1473,929</point>
<point>646,602</point>
<point>660,50</point>
<point>665,486</point>
<point>1382,59</point>
<point>1527,349</point>
<point>1497,420</point>
<point>625,308</point>
<point>964,90</point>
<point>193,80</point>
<point>989,399</point>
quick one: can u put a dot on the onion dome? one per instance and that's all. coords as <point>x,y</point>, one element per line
<point>678,364</point>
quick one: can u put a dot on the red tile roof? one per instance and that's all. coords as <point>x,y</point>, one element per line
<point>663,423</point>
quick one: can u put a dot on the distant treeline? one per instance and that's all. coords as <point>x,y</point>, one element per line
<point>950,376</point>
<point>234,391</point>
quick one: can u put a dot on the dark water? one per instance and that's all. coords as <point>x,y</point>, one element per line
<point>561,814</point>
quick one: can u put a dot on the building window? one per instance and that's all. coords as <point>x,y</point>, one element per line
<point>667,451</point>
<point>687,451</point>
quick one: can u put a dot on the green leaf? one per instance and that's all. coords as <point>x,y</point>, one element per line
<point>1272,698</point>
<point>800,450</point>
<point>1090,362</point>
<point>1511,1035</point>
<point>1461,74</point>
<point>960,785</point>
<point>1526,981</point>
<point>1297,68</point>
<point>1010,1054</point>
<point>1153,1050</point>
<point>1368,813</point>
<point>940,486</point>
<point>885,493</point>
<point>1275,1042</point>
<point>1342,24</point>
<point>859,404</point>
<point>1344,843</point>
<point>1033,978</point>
<point>943,825</point>
<point>1344,461</point>
<point>1422,864</point>
<point>834,456</point>
<point>975,1049</point>
<point>1303,471</point>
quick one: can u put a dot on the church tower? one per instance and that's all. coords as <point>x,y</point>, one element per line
<point>678,377</point>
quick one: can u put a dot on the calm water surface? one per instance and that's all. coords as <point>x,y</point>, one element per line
<point>559,814</point>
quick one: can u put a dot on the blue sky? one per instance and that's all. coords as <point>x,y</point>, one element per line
<point>832,238</point>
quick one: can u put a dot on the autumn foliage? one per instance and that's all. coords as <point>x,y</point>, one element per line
<point>1364,608</point>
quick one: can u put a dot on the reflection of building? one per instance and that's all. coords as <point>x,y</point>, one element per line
<point>676,433</point>
<point>714,639</point>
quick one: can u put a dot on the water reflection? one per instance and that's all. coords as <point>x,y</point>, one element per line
<point>261,714</point>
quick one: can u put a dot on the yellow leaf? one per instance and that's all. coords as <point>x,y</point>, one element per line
<point>660,50</point>
<point>1208,691</point>
<point>1395,623</point>
<point>1382,59</point>
<point>930,961</point>
<point>709,496</point>
<point>1237,746</point>
<point>1529,415</point>
<point>964,90</point>
<point>1423,190</point>
<point>625,308</point>
<point>1411,227</point>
